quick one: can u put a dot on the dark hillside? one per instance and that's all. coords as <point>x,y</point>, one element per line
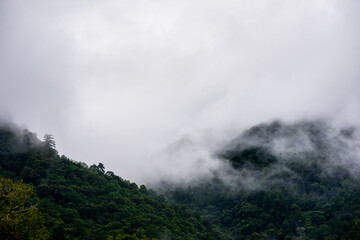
<point>281,181</point>
<point>284,181</point>
<point>80,202</point>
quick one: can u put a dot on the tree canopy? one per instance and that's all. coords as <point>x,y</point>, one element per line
<point>19,216</point>
<point>80,202</point>
<point>300,192</point>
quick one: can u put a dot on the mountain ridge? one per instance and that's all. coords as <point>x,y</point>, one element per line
<point>277,181</point>
<point>81,202</point>
<point>282,181</point>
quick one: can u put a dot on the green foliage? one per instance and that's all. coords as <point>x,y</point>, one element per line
<point>78,202</point>
<point>251,158</point>
<point>19,216</point>
<point>128,237</point>
<point>302,195</point>
<point>276,212</point>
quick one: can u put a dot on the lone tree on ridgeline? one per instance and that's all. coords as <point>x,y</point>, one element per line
<point>50,145</point>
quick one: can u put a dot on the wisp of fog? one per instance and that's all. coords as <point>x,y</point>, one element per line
<point>120,82</point>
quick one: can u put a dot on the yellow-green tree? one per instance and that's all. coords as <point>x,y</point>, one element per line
<point>128,237</point>
<point>19,216</point>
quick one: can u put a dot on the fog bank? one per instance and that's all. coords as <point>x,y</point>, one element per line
<point>118,81</point>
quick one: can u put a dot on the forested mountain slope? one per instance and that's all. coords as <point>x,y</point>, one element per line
<point>80,202</point>
<point>282,181</point>
<point>277,181</point>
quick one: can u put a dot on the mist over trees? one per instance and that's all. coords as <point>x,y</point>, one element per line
<point>276,181</point>
<point>80,202</point>
<point>282,181</point>
<point>166,94</point>
<point>146,73</point>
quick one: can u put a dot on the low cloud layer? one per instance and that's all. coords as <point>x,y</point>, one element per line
<point>117,81</point>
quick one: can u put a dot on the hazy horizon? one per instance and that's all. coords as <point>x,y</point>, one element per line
<point>121,82</point>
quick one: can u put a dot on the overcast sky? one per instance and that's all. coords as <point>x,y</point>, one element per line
<point>119,81</point>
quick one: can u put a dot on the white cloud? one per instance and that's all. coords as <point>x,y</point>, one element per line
<point>116,81</point>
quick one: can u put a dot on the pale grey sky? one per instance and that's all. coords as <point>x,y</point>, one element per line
<point>119,81</point>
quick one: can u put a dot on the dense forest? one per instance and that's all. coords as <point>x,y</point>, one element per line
<point>47,196</point>
<point>283,181</point>
<point>277,181</point>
